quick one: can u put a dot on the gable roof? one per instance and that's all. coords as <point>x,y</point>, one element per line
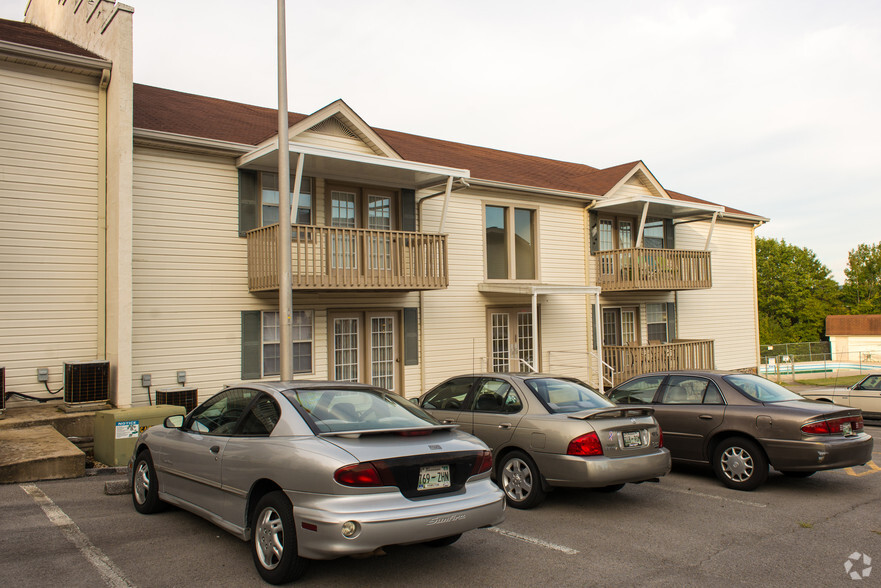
<point>24,33</point>
<point>853,324</point>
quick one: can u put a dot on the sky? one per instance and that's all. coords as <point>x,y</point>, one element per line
<point>770,107</point>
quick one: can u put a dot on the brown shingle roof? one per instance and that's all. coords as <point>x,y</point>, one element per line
<point>33,36</point>
<point>159,109</point>
<point>854,324</point>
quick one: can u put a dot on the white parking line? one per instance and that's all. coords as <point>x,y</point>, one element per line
<point>712,496</point>
<point>112,575</point>
<point>534,541</point>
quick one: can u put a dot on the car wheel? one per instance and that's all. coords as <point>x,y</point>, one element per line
<point>145,485</point>
<point>798,474</point>
<point>274,540</point>
<point>740,464</point>
<point>610,488</point>
<point>444,541</point>
<point>520,480</point>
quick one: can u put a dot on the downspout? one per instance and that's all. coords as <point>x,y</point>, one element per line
<point>598,328</point>
<point>102,214</point>
<point>535,333</point>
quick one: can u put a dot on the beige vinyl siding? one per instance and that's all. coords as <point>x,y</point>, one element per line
<point>725,313</point>
<point>455,325</point>
<point>351,144</point>
<point>48,224</point>
<point>856,348</point>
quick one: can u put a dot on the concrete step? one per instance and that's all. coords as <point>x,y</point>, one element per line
<point>28,454</point>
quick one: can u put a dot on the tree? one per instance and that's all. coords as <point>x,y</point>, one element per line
<point>862,285</point>
<point>796,293</point>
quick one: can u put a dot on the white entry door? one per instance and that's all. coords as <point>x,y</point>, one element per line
<point>511,341</point>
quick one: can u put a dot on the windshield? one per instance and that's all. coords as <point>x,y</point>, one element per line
<point>334,410</point>
<point>760,389</point>
<point>560,395</point>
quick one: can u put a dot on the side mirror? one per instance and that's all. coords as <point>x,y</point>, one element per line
<point>414,400</point>
<point>175,421</point>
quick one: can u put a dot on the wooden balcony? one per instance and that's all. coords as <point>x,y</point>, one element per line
<point>633,360</point>
<point>653,269</point>
<point>331,258</point>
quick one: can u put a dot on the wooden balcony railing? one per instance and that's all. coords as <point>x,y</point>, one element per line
<point>632,360</point>
<point>653,269</point>
<point>331,258</point>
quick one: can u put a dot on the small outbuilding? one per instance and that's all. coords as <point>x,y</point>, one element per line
<point>854,337</point>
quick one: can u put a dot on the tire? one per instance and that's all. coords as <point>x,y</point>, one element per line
<point>274,540</point>
<point>444,541</point>
<point>145,485</point>
<point>740,464</point>
<point>798,474</point>
<point>610,488</point>
<point>520,480</point>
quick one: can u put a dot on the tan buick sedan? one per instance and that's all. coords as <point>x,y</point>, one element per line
<point>547,431</point>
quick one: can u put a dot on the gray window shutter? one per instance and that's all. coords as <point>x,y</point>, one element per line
<point>408,210</point>
<point>671,322</point>
<point>411,336</point>
<point>594,232</point>
<point>248,201</point>
<point>251,355</point>
<point>669,242</point>
<point>593,325</point>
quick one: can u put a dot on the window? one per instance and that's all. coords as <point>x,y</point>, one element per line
<point>301,333</point>
<point>638,391</point>
<point>564,395</point>
<point>220,415</point>
<point>496,396</point>
<point>269,198</point>
<point>365,347</point>
<point>450,395</point>
<point>656,321</point>
<point>511,338</point>
<point>510,253</point>
<point>615,233</point>
<point>261,418</point>
<point>653,233</point>
<point>684,390</point>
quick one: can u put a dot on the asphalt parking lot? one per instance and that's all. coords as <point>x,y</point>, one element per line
<point>688,530</point>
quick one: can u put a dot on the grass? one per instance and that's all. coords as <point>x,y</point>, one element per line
<point>840,381</point>
<point>804,525</point>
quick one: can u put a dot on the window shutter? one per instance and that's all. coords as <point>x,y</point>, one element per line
<point>251,355</point>
<point>411,336</point>
<point>671,322</point>
<point>248,186</point>
<point>594,232</point>
<point>593,325</point>
<point>669,242</point>
<point>408,210</point>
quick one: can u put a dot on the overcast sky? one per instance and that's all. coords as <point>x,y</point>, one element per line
<point>772,107</point>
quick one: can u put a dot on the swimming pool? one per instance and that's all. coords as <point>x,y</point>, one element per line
<point>818,367</point>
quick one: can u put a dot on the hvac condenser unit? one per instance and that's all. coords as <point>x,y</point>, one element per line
<point>2,390</point>
<point>86,382</point>
<point>176,396</point>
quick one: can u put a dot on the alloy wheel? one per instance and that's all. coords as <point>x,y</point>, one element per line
<point>517,479</point>
<point>737,464</point>
<point>270,538</point>
<point>142,482</point>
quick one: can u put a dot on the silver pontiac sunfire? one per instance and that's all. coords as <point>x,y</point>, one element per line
<point>317,470</point>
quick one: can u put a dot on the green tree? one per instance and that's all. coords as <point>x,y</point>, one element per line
<point>795,292</point>
<point>861,292</point>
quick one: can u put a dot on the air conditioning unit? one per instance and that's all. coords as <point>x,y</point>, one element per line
<point>86,382</point>
<point>2,390</point>
<point>177,396</point>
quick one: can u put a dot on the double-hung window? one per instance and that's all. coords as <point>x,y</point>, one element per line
<point>269,198</point>
<point>301,333</point>
<point>510,243</point>
<point>656,321</point>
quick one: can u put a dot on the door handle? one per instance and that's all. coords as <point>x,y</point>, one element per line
<point>706,417</point>
<point>504,425</point>
<point>215,449</point>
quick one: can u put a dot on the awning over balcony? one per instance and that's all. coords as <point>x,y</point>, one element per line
<point>337,164</point>
<point>657,206</point>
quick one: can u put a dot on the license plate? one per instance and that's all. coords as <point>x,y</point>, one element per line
<point>632,439</point>
<point>433,477</point>
<point>846,429</point>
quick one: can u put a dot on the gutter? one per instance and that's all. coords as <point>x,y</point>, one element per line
<point>89,65</point>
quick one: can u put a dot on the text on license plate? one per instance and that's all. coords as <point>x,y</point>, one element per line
<point>433,477</point>
<point>846,429</point>
<point>631,438</point>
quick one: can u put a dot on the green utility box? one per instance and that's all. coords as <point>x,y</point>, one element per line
<point>117,430</point>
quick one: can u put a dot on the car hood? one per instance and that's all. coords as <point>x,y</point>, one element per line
<point>370,447</point>
<point>816,407</point>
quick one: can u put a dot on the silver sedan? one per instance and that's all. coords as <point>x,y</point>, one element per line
<point>317,470</point>
<point>548,431</point>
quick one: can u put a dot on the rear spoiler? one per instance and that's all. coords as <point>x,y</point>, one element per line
<point>614,413</point>
<point>354,434</point>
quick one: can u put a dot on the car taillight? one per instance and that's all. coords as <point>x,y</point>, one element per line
<point>588,444</point>
<point>358,474</point>
<point>660,437</point>
<point>483,463</point>
<point>833,426</point>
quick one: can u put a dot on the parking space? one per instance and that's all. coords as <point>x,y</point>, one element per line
<point>687,530</point>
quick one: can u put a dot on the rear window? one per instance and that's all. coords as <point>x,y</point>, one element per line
<point>760,389</point>
<point>335,410</point>
<point>561,396</point>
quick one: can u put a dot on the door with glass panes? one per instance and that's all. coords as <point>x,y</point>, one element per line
<point>361,208</point>
<point>512,342</point>
<point>364,347</point>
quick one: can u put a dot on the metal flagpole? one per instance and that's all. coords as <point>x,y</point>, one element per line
<point>285,288</point>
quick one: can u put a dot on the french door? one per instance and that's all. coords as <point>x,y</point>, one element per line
<point>364,347</point>
<point>512,343</point>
